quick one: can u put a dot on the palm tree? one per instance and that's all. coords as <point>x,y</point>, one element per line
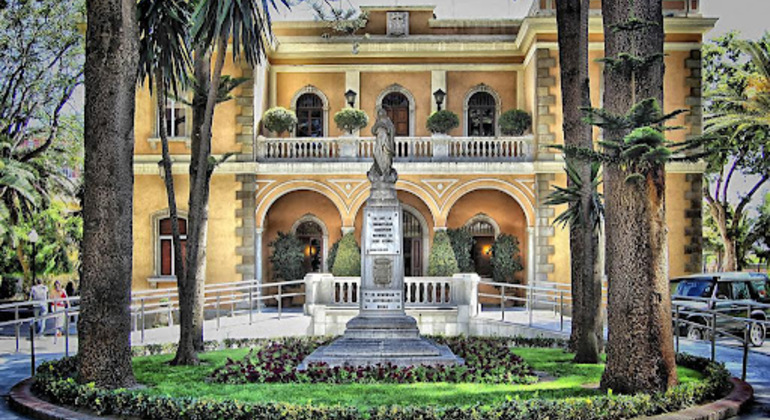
<point>246,24</point>
<point>164,60</point>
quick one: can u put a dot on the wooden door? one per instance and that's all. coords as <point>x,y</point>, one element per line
<point>400,118</point>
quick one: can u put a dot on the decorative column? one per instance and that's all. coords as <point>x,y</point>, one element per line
<point>258,263</point>
<point>531,256</point>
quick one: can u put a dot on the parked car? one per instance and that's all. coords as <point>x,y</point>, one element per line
<point>730,294</point>
<point>761,284</point>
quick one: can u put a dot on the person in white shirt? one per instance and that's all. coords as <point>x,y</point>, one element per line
<point>39,295</point>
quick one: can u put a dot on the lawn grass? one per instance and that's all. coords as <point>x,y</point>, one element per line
<point>572,380</point>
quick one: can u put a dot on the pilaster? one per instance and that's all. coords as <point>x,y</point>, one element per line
<point>245,119</point>
<point>246,249</point>
<point>544,230</point>
<point>545,117</point>
<point>693,227</point>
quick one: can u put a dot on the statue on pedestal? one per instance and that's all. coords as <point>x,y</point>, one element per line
<point>384,149</point>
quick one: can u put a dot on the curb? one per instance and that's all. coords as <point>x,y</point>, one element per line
<point>725,408</point>
<point>24,402</point>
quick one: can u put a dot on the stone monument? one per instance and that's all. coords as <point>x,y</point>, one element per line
<point>382,332</point>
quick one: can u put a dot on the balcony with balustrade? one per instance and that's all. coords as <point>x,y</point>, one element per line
<point>407,149</point>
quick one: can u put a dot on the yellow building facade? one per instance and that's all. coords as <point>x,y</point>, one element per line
<point>312,181</point>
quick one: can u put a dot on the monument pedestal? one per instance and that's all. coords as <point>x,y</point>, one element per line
<point>382,333</point>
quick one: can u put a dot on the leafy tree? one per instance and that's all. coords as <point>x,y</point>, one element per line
<point>442,262</point>
<point>104,325</point>
<point>737,85</point>
<point>347,261</point>
<point>287,257</point>
<point>462,245</point>
<point>506,258</point>
<point>245,26</point>
<point>41,65</point>
<point>761,243</point>
<point>584,208</point>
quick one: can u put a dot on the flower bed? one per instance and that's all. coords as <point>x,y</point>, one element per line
<point>56,382</point>
<point>486,361</point>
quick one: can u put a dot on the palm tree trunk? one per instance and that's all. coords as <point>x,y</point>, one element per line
<point>168,180</point>
<point>640,353</point>
<point>104,325</point>
<point>192,297</point>
<point>572,20</point>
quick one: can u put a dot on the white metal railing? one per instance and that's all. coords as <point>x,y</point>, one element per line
<point>440,148</point>
<point>223,298</point>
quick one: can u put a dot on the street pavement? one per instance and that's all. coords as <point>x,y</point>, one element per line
<point>16,366</point>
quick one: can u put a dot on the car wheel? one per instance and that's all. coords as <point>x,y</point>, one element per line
<point>695,333</point>
<point>757,334</point>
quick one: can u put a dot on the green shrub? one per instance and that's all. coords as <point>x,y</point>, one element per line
<point>279,119</point>
<point>442,122</point>
<point>442,262</point>
<point>347,261</point>
<point>351,119</point>
<point>515,122</point>
<point>332,254</point>
<point>287,257</point>
<point>506,258</point>
<point>462,245</point>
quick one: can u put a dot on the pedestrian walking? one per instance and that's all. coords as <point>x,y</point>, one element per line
<point>39,296</point>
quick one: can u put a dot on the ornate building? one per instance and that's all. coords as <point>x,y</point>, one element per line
<point>312,181</point>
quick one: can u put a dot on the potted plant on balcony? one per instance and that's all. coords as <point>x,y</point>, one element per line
<point>279,120</point>
<point>351,119</point>
<point>515,122</point>
<point>442,122</point>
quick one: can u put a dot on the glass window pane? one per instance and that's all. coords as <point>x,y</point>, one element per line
<point>165,257</point>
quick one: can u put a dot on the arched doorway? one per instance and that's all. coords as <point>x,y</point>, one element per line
<point>484,234</point>
<point>397,106</point>
<point>310,111</point>
<point>413,245</point>
<point>481,115</point>
<point>311,235</point>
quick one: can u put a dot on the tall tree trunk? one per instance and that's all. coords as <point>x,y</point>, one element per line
<point>168,180</point>
<point>572,20</point>
<point>640,353</point>
<point>104,325</point>
<point>201,169</point>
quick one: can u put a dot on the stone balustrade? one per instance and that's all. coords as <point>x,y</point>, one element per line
<point>441,305</point>
<point>434,148</point>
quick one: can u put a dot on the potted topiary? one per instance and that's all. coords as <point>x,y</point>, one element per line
<point>442,261</point>
<point>442,122</point>
<point>351,119</point>
<point>515,122</point>
<point>279,120</point>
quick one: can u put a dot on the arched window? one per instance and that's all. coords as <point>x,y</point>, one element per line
<point>311,235</point>
<point>397,106</point>
<point>413,244</point>
<point>484,231</point>
<point>310,116</point>
<point>482,112</point>
<point>167,266</point>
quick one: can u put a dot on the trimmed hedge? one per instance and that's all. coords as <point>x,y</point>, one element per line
<point>347,260</point>
<point>462,245</point>
<point>515,122</point>
<point>351,119</point>
<point>506,258</point>
<point>56,382</point>
<point>442,260</point>
<point>287,257</point>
